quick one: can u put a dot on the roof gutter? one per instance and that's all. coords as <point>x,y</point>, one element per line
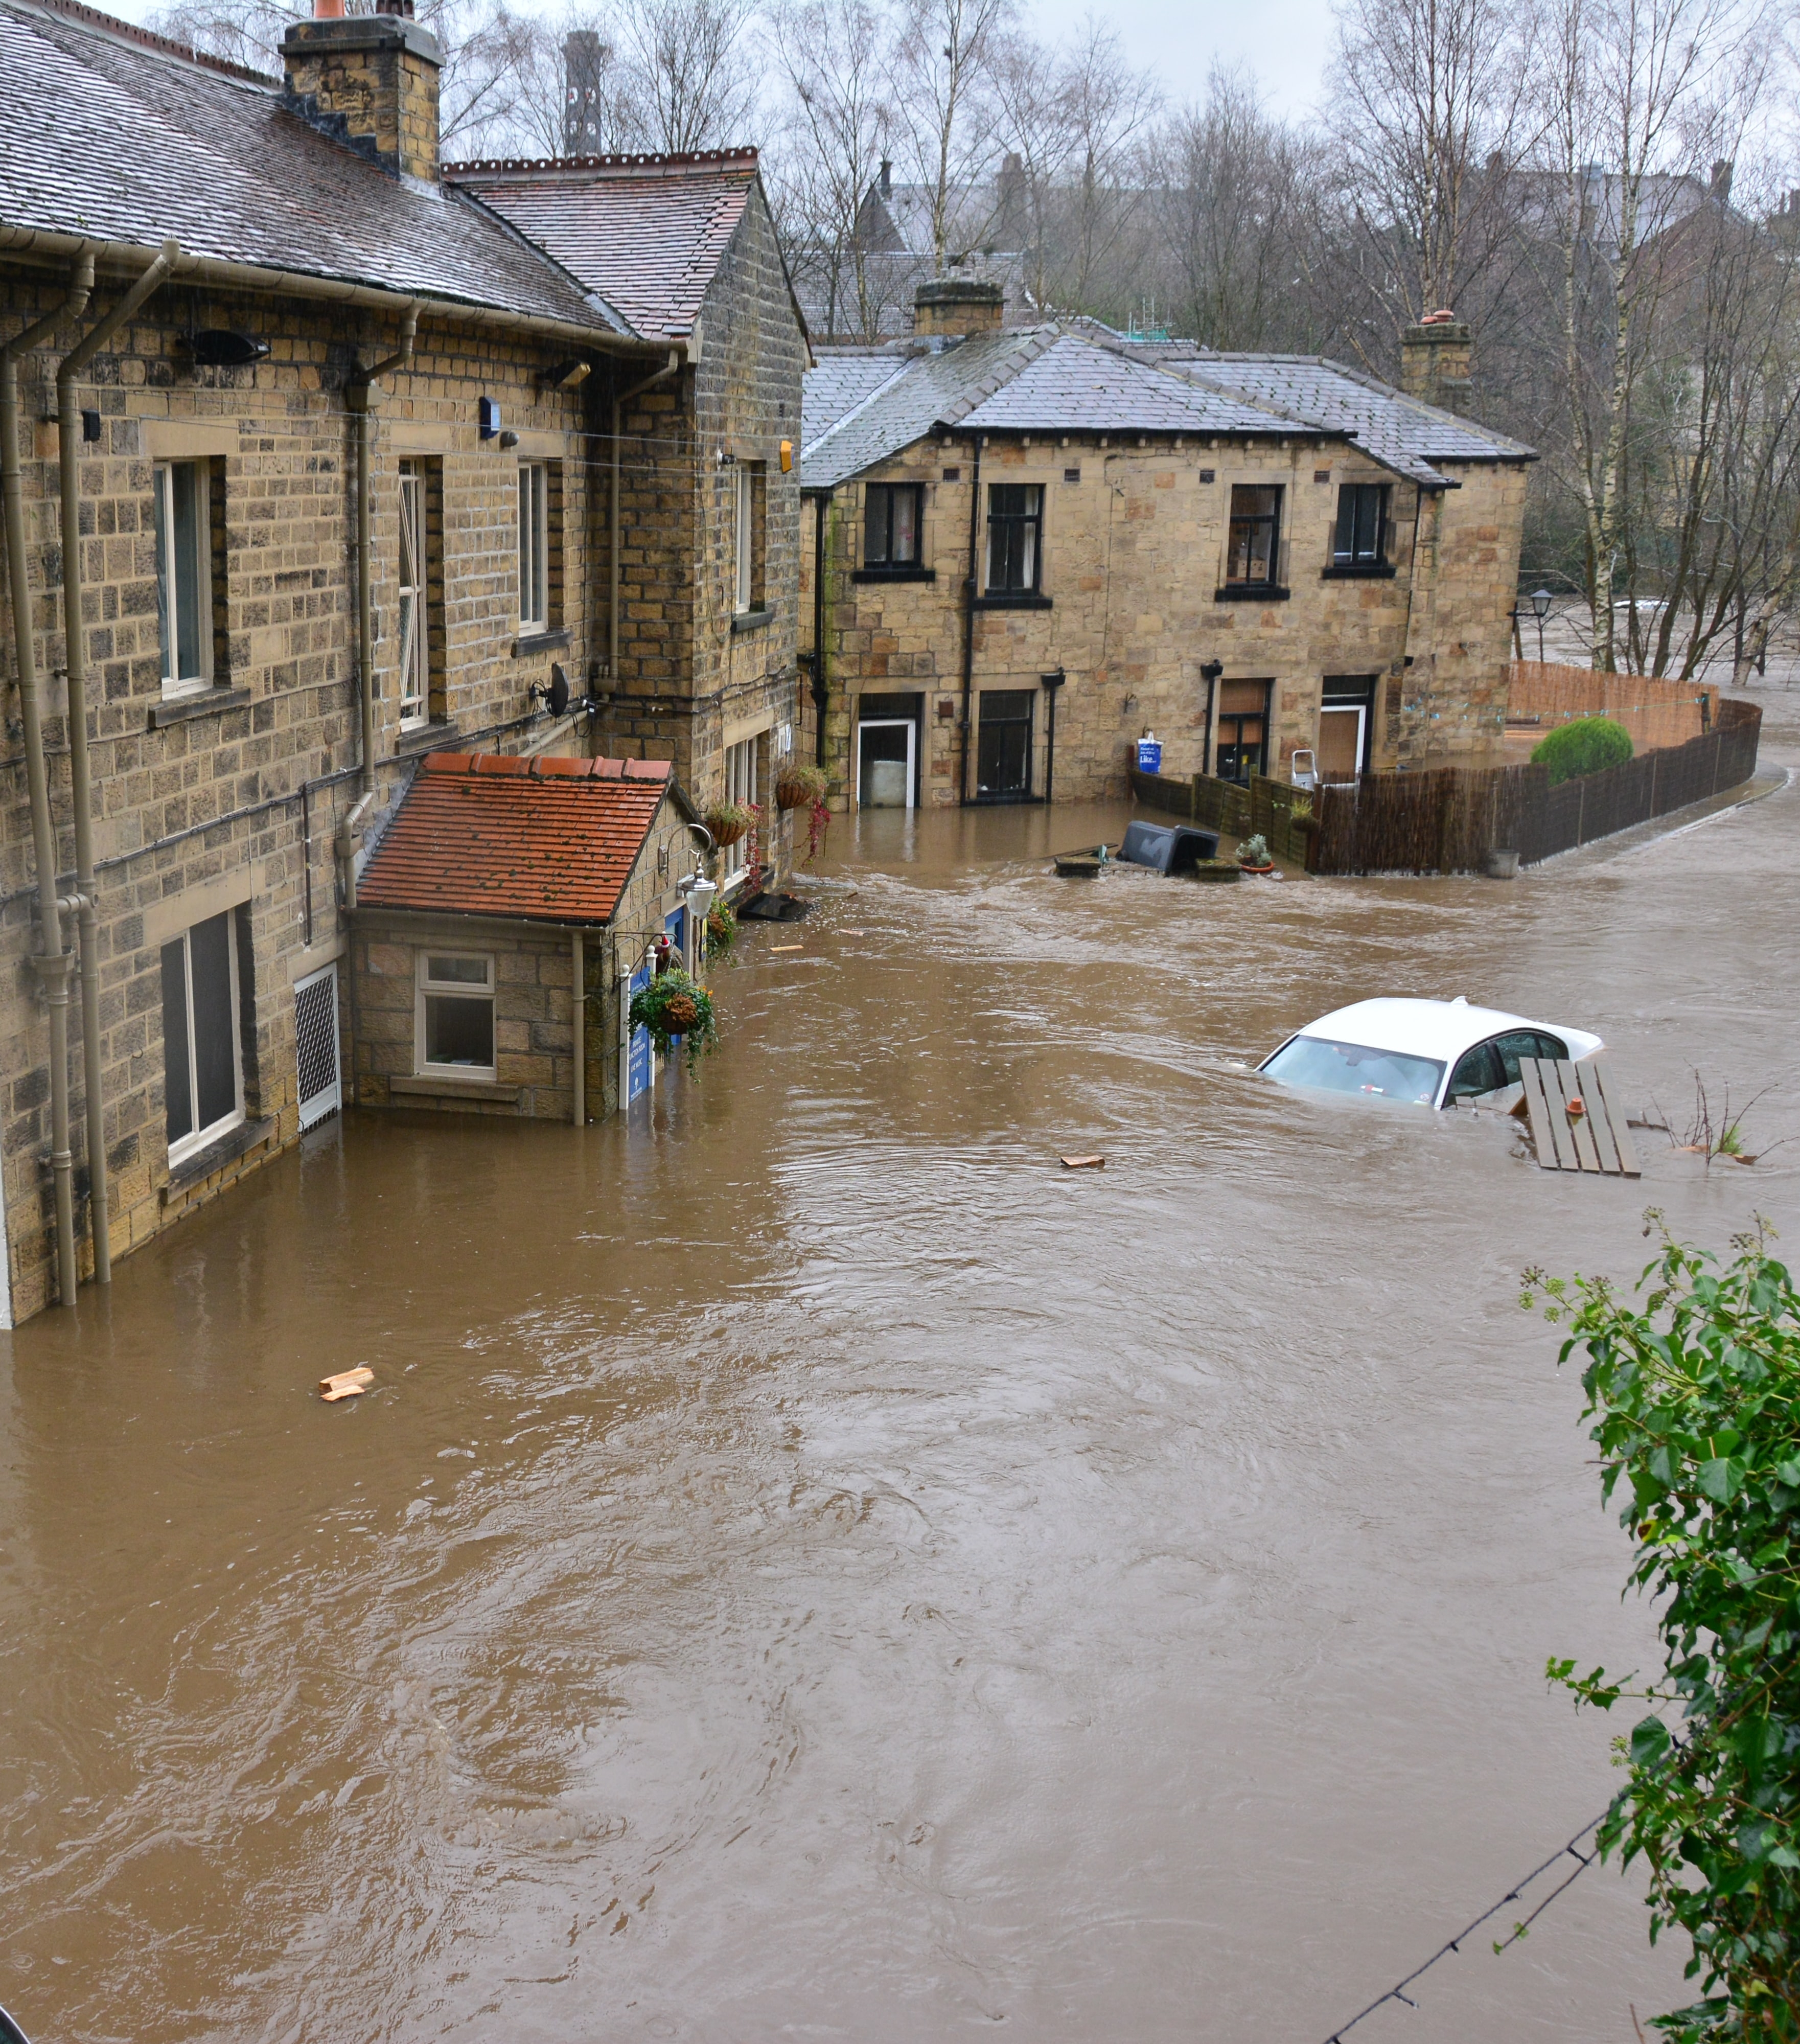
<point>331,290</point>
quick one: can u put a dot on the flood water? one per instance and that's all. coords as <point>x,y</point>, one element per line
<point>811,1567</point>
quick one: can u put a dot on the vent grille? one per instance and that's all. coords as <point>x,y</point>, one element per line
<point>316,1046</point>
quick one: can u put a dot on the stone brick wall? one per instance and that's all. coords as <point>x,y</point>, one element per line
<point>692,677</point>
<point>206,792</point>
<point>1133,554</point>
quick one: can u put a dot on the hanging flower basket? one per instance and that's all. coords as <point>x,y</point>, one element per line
<point>730,821</point>
<point>799,787</point>
<point>672,1006</point>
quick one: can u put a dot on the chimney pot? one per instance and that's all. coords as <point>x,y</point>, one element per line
<point>887,179</point>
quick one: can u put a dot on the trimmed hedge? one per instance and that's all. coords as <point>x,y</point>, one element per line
<point>1589,745</point>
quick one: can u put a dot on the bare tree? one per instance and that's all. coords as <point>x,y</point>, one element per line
<point>1108,111</point>
<point>831,55</point>
<point>690,71</point>
<point>940,71</point>
<point>1642,98</point>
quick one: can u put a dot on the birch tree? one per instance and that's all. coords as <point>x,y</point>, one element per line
<point>941,72</point>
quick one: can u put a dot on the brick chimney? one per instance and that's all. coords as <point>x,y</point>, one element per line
<point>958,305</point>
<point>1434,361</point>
<point>371,82</point>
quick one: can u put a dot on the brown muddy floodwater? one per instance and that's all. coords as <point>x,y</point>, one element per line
<point>811,1568</point>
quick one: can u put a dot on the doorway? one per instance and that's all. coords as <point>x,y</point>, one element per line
<point>1243,730</point>
<point>1003,754</point>
<point>1345,714</point>
<point>886,750</point>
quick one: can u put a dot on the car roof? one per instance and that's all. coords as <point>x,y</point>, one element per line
<point>1442,1029</point>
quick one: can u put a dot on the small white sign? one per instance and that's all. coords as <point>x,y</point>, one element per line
<point>785,739</point>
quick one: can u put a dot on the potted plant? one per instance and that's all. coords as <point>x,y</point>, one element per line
<point>730,821</point>
<point>1253,854</point>
<point>721,929</point>
<point>674,1005</point>
<point>799,787</point>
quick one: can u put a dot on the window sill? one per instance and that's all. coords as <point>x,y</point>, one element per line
<point>751,620</point>
<point>1370,571</point>
<point>220,1151</point>
<point>424,1086</point>
<point>894,575</point>
<point>1009,599</point>
<point>202,702</point>
<point>424,738</point>
<point>1251,592</point>
<point>529,644</point>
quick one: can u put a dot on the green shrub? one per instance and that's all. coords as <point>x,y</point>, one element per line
<point>1589,745</point>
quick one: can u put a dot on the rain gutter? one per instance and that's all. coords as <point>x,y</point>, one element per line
<point>80,781</point>
<point>52,962</point>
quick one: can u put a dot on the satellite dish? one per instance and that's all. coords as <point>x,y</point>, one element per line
<point>557,695</point>
<point>219,347</point>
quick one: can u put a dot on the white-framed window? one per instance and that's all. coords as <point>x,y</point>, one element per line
<point>415,596</point>
<point>456,1015</point>
<point>184,574</point>
<point>740,787</point>
<point>743,583</point>
<point>203,1039</point>
<point>534,546</point>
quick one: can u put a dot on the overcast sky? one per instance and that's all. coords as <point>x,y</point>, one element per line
<point>1282,42</point>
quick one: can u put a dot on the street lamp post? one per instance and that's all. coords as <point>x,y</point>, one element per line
<point>1541,601</point>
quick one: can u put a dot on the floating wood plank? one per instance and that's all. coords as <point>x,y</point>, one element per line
<point>1576,1124</point>
<point>1549,1130</point>
<point>1084,1163</point>
<point>1606,1087</point>
<point>347,1384</point>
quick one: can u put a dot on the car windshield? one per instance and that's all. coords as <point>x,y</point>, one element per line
<point>1315,1061</point>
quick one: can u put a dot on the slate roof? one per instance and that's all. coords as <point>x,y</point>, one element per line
<point>647,232</point>
<point>862,405</point>
<point>490,834</point>
<point>109,132</point>
<point>1403,433</point>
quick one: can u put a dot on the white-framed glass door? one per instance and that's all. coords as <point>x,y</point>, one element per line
<point>886,763</point>
<point>1341,729</point>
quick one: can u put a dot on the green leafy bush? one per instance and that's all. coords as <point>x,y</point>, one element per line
<point>1695,1403</point>
<point>1589,745</point>
<point>721,929</point>
<point>674,1005</point>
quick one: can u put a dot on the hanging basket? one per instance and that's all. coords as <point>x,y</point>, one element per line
<point>799,787</point>
<point>673,1007</point>
<point>729,822</point>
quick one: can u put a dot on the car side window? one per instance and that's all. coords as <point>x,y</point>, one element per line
<point>1521,1044</point>
<point>1477,1072</point>
<point>1551,1046</point>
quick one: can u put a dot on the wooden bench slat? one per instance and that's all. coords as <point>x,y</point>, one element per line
<point>1587,1152</point>
<point>1543,1123</point>
<point>1596,1123</point>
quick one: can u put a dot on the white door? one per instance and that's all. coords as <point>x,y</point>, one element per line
<point>885,760</point>
<point>1340,741</point>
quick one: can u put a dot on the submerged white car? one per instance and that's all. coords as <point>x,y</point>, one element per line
<point>1422,1053</point>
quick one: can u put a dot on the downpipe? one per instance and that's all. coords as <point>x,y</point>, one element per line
<point>81,784</point>
<point>969,588</point>
<point>52,962</point>
<point>362,397</point>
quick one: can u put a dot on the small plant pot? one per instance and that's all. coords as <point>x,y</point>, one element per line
<point>1258,870</point>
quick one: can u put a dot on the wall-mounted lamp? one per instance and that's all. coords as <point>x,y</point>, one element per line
<point>727,458</point>
<point>90,426</point>
<point>787,457</point>
<point>565,376</point>
<point>1211,671</point>
<point>487,415</point>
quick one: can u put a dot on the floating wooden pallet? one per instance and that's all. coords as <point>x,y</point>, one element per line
<point>1577,1123</point>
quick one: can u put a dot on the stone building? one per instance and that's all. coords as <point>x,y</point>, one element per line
<point>1028,549</point>
<point>332,467</point>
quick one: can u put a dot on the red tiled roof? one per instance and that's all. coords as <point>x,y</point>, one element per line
<point>647,233</point>
<point>490,834</point>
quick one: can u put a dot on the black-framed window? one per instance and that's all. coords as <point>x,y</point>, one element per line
<point>891,520</point>
<point>1016,530</point>
<point>1361,538</point>
<point>1256,533</point>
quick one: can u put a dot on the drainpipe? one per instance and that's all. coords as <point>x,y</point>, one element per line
<point>968,613</point>
<point>577,1013</point>
<point>52,962</point>
<point>81,785</point>
<point>1051,683</point>
<point>618,402</point>
<point>362,397</point>
<point>821,673</point>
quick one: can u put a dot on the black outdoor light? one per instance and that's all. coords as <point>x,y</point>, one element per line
<point>220,347</point>
<point>1541,601</point>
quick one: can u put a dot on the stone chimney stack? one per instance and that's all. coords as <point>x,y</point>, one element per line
<point>958,305</point>
<point>1434,361</point>
<point>370,82</point>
